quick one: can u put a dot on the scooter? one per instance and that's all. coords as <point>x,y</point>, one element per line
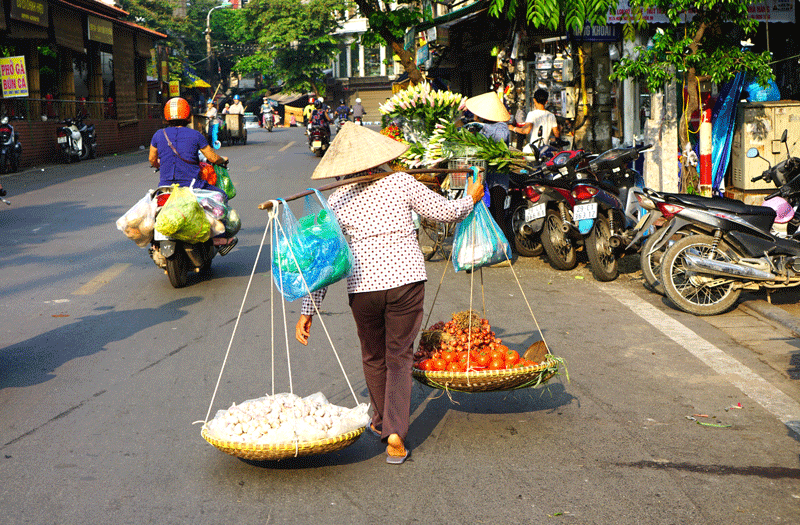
<point>340,122</point>
<point>606,211</point>
<point>76,139</point>
<point>88,135</point>
<point>731,246</point>
<point>177,257</point>
<point>269,122</point>
<point>10,147</point>
<point>318,140</point>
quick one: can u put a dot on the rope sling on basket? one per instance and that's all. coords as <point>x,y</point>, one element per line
<point>478,242</point>
<point>280,426</point>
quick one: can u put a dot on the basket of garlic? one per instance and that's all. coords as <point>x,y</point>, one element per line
<point>285,425</point>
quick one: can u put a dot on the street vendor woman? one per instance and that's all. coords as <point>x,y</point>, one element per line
<point>386,289</point>
<point>174,149</point>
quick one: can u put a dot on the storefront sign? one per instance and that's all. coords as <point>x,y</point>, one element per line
<point>766,11</point>
<point>174,88</point>
<point>14,77</point>
<point>31,11</point>
<point>607,33</point>
<point>422,55</point>
<point>100,30</point>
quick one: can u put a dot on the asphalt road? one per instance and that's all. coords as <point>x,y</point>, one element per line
<point>105,370</point>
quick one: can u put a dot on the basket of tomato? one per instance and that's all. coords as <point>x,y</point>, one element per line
<point>465,355</point>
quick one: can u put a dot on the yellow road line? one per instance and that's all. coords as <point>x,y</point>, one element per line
<point>102,279</point>
<point>289,145</point>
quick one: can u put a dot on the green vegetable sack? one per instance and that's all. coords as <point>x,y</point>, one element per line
<point>183,218</point>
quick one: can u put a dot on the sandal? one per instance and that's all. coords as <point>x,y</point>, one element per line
<point>396,452</point>
<point>374,430</point>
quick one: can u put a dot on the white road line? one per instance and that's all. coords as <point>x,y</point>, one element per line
<point>253,169</point>
<point>102,279</point>
<point>786,409</point>
<point>289,145</point>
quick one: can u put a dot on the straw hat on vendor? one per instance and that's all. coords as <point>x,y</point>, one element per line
<point>488,107</point>
<point>357,149</point>
<point>386,288</point>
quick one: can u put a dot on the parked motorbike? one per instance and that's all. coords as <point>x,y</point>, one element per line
<point>10,147</point>
<point>177,257</point>
<point>77,139</point>
<point>318,140</point>
<point>731,246</point>
<point>606,210</point>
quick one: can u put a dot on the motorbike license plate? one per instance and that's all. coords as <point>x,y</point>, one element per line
<point>317,143</point>
<point>62,139</point>
<point>584,211</point>
<point>535,212</point>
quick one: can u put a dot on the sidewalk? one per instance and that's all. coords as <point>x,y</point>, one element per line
<point>784,308</point>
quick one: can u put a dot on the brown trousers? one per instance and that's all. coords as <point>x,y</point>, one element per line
<point>388,322</point>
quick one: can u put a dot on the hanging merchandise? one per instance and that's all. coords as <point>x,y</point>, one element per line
<point>309,253</point>
<point>224,181</point>
<point>479,241</point>
<point>183,218</point>
<point>138,223</point>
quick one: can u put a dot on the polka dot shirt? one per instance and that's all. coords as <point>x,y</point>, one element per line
<point>377,218</point>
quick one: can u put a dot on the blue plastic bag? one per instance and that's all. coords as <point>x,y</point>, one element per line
<point>309,253</point>
<point>479,241</point>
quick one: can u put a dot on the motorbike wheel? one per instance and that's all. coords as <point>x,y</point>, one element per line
<point>320,152</point>
<point>244,137</point>
<point>559,247</point>
<point>177,269</point>
<point>650,261</point>
<point>525,245</point>
<point>435,237</point>
<point>602,259</point>
<point>698,294</point>
<point>13,164</point>
<point>84,151</point>
<point>3,164</point>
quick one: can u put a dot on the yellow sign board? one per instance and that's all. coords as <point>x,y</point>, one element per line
<point>14,77</point>
<point>174,88</point>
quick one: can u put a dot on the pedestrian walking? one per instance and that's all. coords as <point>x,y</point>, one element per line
<point>386,289</point>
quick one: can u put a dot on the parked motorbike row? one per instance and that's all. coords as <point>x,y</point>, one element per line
<point>706,252</point>
<point>10,147</point>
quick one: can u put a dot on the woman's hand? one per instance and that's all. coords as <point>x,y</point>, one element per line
<point>303,328</point>
<point>475,189</point>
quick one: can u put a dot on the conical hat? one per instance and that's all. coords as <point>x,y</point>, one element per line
<point>488,107</point>
<point>356,149</point>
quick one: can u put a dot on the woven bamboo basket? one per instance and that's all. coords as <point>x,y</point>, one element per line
<point>489,380</point>
<point>284,451</point>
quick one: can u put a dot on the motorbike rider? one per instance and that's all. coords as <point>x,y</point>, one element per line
<point>174,149</point>
<point>266,112</point>
<point>342,111</point>
<point>358,111</point>
<point>319,117</point>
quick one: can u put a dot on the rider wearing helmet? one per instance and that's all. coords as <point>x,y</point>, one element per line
<point>342,110</point>
<point>319,117</point>
<point>358,111</point>
<point>173,150</point>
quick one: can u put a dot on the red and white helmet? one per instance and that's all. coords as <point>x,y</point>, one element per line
<point>177,109</point>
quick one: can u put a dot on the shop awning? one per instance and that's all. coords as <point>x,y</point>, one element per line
<point>193,81</point>
<point>450,19</point>
<point>286,98</point>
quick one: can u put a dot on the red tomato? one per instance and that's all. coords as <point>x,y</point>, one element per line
<point>454,366</point>
<point>449,356</point>
<point>512,357</point>
<point>439,364</point>
<point>483,359</point>
<point>497,355</point>
<point>497,364</point>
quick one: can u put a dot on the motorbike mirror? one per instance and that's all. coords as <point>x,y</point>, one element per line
<point>784,135</point>
<point>752,153</point>
<point>4,120</point>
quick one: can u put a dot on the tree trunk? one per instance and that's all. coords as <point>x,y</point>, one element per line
<point>593,119</point>
<point>690,178</point>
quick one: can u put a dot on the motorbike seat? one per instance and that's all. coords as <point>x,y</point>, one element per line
<point>722,204</point>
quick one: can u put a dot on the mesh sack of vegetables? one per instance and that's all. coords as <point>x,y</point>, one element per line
<point>224,181</point>
<point>310,253</point>
<point>183,218</point>
<point>479,241</point>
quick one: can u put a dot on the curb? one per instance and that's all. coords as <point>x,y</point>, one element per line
<point>774,313</point>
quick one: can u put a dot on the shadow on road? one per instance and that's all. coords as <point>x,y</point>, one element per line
<point>35,360</point>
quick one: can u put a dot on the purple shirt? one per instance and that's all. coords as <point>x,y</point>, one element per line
<point>173,170</point>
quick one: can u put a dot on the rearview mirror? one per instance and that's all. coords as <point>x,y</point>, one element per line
<point>752,153</point>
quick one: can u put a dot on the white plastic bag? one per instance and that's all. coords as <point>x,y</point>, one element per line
<point>139,222</point>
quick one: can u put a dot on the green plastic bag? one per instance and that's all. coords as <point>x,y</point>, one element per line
<point>183,218</point>
<point>224,182</point>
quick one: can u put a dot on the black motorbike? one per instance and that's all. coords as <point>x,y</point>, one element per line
<point>729,246</point>
<point>10,147</point>
<point>319,138</point>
